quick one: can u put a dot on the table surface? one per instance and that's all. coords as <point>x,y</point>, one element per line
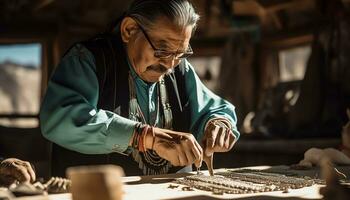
<point>156,187</point>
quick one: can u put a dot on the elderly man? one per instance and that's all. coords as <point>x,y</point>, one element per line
<point>131,98</point>
<point>13,170</point>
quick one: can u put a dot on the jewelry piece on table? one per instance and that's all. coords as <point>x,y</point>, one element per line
<point>199,171</point>
<point>187,188</point>
<point>245,181</point>
<point>171,186</point>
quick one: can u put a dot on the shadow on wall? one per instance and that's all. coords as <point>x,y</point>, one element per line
<point>26,144</point>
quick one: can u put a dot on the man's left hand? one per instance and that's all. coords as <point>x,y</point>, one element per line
<point>218,137</point>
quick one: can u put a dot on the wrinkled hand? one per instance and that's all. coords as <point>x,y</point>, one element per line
<point>218,137</point>
<point>12,170</point>
<point>181,149</point>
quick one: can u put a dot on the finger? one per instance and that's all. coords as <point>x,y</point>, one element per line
<point>209,162</point>
<point>190,150</point>
<point>211,138</point>
<point>197,150</point>
<point>230,143</point>
<point>227,139</point>
<point>232,140</point>
<point>210,141</point>
<point>20,172</point>
<point>55,181</point>
<point>181,155</point>
<point>199,160</point>
<point>163,136</point>
<point>49,182</point>
<point>198,163</point>
<point>198,157</point>
<point>221,137</point>
<point>60,182</point>
<point>208,151</point>
<point>30,171</point>
<point>64,184</point>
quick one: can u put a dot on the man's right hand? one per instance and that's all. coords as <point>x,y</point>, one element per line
<point>12,170</point>
<point>181,149</point>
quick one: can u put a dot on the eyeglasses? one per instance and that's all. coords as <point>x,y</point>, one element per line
<point>163,54</point>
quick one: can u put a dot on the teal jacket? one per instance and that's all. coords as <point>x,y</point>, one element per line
<point>69,115</point>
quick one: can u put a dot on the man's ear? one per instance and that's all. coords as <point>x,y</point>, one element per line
<point>128,28</point>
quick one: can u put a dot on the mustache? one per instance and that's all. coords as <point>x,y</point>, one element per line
<point>160,69</point>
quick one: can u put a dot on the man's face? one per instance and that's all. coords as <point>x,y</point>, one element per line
<point>165,37</point>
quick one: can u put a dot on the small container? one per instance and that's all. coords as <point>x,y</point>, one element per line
<point>96,182</point>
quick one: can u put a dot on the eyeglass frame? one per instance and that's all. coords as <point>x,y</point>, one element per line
<point>158,52</point>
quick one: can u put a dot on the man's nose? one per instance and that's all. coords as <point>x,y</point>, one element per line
<point>170,63</point>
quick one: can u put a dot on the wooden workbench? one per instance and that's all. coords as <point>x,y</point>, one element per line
<point>156,187</point>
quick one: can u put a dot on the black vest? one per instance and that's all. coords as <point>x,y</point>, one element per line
<point>112,71</point>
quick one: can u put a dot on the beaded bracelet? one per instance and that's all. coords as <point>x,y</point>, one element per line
<point>142,138</point>
<point>139,138</point>
<point>136,136</point>
<point>153,136</point>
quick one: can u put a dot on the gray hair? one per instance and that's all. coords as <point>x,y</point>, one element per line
<point>180,12</point>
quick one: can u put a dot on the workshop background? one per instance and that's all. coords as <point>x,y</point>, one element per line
<point>282,63</point>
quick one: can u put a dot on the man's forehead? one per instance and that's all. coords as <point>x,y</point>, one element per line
<point>168,35</point>
<point>169,43</point>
